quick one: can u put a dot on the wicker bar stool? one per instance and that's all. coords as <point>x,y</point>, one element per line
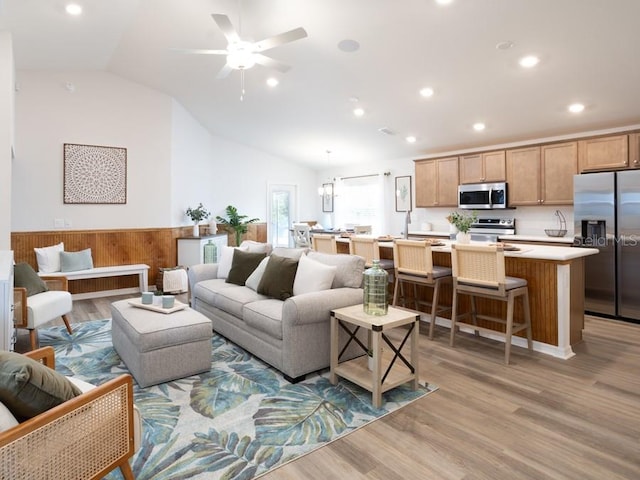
<point>368,248</point>
<point>414,264</point>
<point>324,243</point>
<point>479,271</point>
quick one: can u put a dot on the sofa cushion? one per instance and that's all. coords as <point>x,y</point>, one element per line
<point>74,261</point>
<point>28,388</point>
<point>278,277</point>
<point>231,300</point>
<point>243,265</point>
<point>349,268</point>
<point>25,276</point>
<point>265,316</point>
<point>254,279</point>
<point>226,260</point>
<point>207,290</point>
<point>294,253</point>
<point>312,276</point>
<point>48,258</point>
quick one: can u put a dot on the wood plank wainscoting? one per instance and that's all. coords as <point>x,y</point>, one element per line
<point>157,247</point>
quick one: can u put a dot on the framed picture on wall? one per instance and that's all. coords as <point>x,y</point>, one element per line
<point>403,194</point>
<point>95,174</point>
<point>327,197</point>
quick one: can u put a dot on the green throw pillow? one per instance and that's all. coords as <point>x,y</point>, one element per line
<point>74,261</point>
<point>278,277</point>
<point>28,388</point>
<point>243,265</point>
<point>25,276</point>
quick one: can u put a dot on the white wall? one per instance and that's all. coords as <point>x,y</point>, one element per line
<point>218,172</point>
<point>172,161</point>
<point>6,136</point>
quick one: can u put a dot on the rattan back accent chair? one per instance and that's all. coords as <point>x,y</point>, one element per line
<point>85,437</point>
<point>414,264</point>
<point>479,271</point>
<point>324,243</point>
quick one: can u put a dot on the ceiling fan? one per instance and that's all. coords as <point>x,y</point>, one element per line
<point>243,54</point>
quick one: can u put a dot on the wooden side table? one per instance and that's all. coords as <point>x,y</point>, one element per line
<point>388,372</point>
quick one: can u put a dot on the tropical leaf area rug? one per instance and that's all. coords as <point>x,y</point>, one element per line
<point>237,421</point>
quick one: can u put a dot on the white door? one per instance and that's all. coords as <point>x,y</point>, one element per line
<point>283,203</point>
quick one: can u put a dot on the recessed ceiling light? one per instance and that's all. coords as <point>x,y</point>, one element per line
<point>272,82</point>
<point>348,46</point>
<point>529,61</point>
<point>576,107</point>
<point>358,112</point>
<point>73,9</point>
<point>478,127</point>
<point>443,2</point>
<point>411,139</point>
<point>426,92</point>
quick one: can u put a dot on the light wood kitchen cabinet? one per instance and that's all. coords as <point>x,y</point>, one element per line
<point>634,150</point>
<point>542,175</point>
<point>603,153</point>
<point>437,182</point>
<point>483,167</point>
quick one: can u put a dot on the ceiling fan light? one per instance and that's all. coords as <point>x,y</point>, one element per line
<point>241,60</point>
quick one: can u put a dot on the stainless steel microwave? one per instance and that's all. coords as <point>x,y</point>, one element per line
<point>482,196</point>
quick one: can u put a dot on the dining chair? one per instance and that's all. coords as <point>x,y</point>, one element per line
<point>301,235</point>
<point>324,243</point>
<point>479,271</point>
<point>362,230</point>
<point>414,264</point>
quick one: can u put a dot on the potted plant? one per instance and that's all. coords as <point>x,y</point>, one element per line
<point>236,222</point>
<point>463,222</point>
<point>197,215</point>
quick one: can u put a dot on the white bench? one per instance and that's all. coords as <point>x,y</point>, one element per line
<point>141,270</point>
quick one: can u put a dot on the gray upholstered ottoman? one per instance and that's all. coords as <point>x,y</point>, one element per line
<point>158,347</point>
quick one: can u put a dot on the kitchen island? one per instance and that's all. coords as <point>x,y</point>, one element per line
<point>555,275</point>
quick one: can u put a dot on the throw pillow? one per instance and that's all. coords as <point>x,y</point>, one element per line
<point>25,276</point>
<point>73,261</point>
<point>28,388</point>
<point>257,247</point>
<point>254,279</point>
<point>226,259</point>
<point>7,420</point>
<point>312,276</point>
<point>278,277</point>
<point>294,253</point>
<point>243,264</point>
<point>48,258</point>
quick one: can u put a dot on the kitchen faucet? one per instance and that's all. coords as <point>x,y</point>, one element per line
<point>407,221</point>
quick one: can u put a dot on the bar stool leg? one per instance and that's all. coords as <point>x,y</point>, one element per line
<point>454,313</point>
<point>527,319</point>
<point>434,308</point>
<point>474,314</point>
<point>507,340</point>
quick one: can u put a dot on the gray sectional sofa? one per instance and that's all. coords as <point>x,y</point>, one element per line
<point>292,335</point>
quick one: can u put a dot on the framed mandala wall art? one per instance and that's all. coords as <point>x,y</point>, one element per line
<point>95,174</point>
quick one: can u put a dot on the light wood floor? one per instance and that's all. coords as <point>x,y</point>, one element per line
<point>539,418</point>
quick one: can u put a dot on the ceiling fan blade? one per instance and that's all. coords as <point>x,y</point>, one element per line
<point>225,25</point>
<point>271,63</point>
<point>276,40</point>
<point>200,51</point>
<point>224,72</point>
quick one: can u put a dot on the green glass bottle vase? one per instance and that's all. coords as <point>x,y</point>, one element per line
<point>375,299</point>
<point>210,252</point>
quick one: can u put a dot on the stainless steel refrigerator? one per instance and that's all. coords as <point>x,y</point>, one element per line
<point>607,217</point>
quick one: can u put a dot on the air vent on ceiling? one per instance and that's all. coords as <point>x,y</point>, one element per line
<point>386,131</point>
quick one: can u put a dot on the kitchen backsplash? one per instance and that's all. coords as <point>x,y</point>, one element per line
<point>529,220</point>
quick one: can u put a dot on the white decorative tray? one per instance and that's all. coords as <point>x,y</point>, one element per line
<point>137,302</point>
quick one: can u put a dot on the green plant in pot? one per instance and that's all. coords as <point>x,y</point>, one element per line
<point>236,222</point>
<point>463,221</point>
<point>197,215</point>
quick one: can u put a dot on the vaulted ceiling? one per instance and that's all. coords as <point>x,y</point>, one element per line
<point>467,52</point>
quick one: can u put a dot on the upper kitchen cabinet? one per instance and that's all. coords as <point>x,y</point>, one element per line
<point>437,182</point>
<point>603,153</point>
<point>542,175</point>
<point>634,150</point>
<point>483,167</point>
<point>523,176</point>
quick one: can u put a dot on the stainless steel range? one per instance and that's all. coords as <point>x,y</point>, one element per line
<point>489,229</point>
